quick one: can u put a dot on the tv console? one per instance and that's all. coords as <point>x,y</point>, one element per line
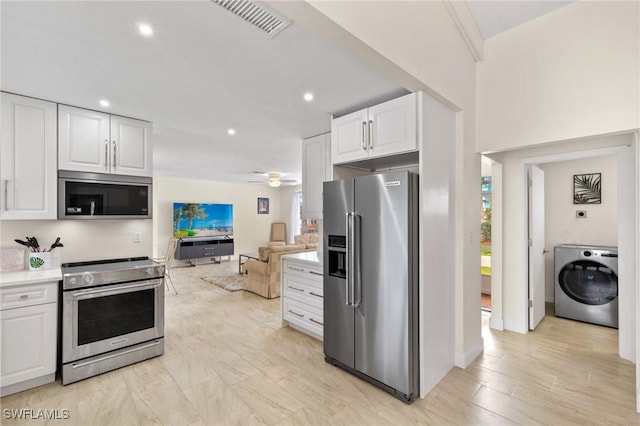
<point>189,248</point>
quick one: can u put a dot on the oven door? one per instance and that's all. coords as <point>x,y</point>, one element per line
<point>102,319</point>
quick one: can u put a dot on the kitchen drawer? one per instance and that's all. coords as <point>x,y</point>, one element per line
<point>303,315</point>
<point>28,295</point>
<point>303,270</point>
<point>302,289</point>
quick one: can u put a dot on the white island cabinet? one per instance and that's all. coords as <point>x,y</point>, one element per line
<point>28,329</point>
<point>302,297</point>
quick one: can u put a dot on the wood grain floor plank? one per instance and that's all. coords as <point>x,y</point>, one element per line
<point>227,361</point>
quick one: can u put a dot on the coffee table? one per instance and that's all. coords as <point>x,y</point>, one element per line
<point>253,255</point>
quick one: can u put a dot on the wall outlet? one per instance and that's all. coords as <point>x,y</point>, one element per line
<point>137,237</point>
<point>581,214</point>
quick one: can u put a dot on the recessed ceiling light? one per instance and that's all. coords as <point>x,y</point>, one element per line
<point>105,103</point>
<point>145,30</point>
<point>231,131</point>
<point>308,96</point>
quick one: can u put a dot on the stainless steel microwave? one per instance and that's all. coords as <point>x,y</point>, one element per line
<point>103,196</point>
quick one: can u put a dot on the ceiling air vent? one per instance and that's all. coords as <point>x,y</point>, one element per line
<point>256,14</point>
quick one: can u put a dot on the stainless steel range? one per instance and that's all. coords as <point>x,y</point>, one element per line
<point>112,315</point>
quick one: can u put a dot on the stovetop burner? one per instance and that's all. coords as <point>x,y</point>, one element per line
<point>109,271</point>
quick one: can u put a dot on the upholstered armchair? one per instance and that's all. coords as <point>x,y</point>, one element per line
<point>263,275</point>
<point>278,235</point>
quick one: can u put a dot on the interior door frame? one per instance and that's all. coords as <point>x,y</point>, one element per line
<point>627,330</point>
<point>628,235</point>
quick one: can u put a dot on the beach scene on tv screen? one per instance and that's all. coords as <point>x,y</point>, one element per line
<point>202,220</point>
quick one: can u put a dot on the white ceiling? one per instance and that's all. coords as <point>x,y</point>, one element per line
<point>202,72</point>
<point>495,17</point>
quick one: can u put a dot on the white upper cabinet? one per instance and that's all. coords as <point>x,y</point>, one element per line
<point>83,140</point>
<point>349,137</point>
<point>28,158</point>
<point>316,168</point>
<point>91,141</point>
<point>379,131</point>
<point>131,147</point>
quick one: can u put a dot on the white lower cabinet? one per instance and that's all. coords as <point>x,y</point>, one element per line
<point>302,298</point>
<point>28,336</point>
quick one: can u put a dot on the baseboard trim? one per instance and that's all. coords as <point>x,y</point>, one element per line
<point>463,360</point>
<point>516,326</point>
<point>496,323</point>
<point>27,384</point>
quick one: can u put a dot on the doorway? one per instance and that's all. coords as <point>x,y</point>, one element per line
<point>513,314</point>
<point>485,236</point>
<point>565,221</point>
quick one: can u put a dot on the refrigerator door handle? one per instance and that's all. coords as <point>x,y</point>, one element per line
<point>350,260</point>
<point>357,276</point>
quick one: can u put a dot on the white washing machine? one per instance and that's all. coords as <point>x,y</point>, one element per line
<point>587,283</point>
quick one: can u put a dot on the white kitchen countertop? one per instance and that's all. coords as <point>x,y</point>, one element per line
<point>310,257</point>
<point>17,278</point>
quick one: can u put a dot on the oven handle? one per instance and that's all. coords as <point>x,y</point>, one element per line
<point>118,289</point>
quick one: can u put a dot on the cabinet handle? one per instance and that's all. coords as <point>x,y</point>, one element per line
<point>6,194</point>
<point>364,132</point>
<point>316,273</point>
<point>115,145</point>
<point>106,155</point>
<point>317,322</point>
<point>296,269</point>
<point>315,294</point>
<point>296,288</point>
<point>296,314</point>
<point>24,296</point>
<point>370,134</point>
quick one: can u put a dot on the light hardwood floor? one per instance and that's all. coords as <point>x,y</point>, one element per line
<point>228,361</point>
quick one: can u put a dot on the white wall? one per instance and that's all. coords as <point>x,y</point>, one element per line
<point>285,208</point>
<point>250,229</point>
<point>83,239</point>
<point>600,227</point>
<point>105,239</point>
<point>568,74</point>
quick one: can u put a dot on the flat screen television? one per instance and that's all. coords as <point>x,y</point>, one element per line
<point>202,220</point>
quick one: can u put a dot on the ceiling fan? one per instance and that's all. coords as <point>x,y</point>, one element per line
<point>273,179</point>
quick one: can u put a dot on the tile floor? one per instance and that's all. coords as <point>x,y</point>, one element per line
<point>228,361</point>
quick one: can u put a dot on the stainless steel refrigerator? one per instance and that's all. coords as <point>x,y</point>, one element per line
<point>371,279</point>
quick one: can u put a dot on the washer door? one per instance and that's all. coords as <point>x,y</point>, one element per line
<point>589,282</point>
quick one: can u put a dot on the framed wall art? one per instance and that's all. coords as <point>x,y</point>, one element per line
<point>263,206</point>
<point>587,188</point>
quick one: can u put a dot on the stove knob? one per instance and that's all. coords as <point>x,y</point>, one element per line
<point>159,270</point>
<point>72,280</point>
<point>149,271</point>
<point>87,279</point>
